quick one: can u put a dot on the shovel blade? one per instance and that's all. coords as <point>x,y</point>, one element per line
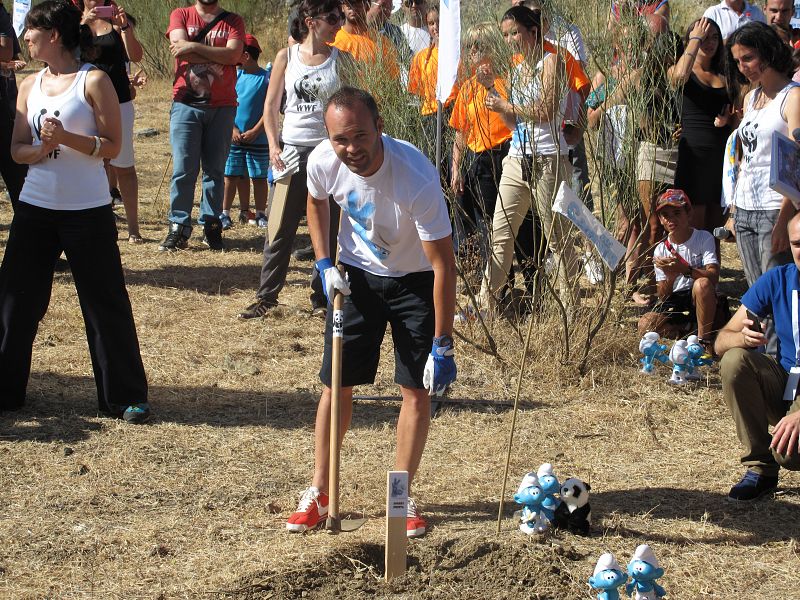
<point>336,525</point>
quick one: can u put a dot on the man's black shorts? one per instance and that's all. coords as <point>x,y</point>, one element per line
<point>407,303</point>
<point>678,307</point>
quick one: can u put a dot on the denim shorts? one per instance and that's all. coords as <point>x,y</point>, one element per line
<point>251,160</point>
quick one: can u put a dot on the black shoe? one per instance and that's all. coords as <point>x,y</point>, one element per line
<point>116,197</point>
<point>137,413</point>
<point>306,253</point>
<point>257,309</point>
<point>212,234</point>
<point>752,486</point>
<point>177,238</point>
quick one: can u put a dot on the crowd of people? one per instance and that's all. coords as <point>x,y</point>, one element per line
<point>307,133</point>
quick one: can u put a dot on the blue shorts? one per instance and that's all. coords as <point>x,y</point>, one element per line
<point>248,161</point>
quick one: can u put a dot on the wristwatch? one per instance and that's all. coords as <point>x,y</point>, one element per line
<point>443,341</point>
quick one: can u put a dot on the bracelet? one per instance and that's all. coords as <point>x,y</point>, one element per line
<point>125,28</point>
<point>695,37</point>
<point>96,149</point>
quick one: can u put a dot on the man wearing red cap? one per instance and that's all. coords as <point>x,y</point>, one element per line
<point>687,273</point>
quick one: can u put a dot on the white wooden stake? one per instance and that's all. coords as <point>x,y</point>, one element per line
<point>396,508</point>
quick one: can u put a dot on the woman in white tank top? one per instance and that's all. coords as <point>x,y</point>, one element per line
<point>758,56</point>
<point>70,123</point>
<point>306,75</point>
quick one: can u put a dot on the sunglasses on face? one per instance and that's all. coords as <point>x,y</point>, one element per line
<point>332,18</point>
<point>410,3</point>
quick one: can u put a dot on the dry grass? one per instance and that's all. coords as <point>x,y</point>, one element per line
<point>193,505</point>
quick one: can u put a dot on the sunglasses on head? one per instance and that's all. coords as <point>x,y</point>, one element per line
<point>331,18</point>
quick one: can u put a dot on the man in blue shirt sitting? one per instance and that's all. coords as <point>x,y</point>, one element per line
<point>759,390</point>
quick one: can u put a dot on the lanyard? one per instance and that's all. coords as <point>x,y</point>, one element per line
<point>796,327</point>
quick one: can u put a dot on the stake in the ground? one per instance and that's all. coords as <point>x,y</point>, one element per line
<point>396,507</point>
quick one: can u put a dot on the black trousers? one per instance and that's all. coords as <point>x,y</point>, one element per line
<point>13,174</point>
<point>89,240</point>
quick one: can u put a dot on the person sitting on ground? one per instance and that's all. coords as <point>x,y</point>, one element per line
<point>687,273</point>
<point>760,390</point>
<point>397,250</point>
<point>248,158</point>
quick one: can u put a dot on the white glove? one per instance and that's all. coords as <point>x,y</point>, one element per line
<point>331,279</point>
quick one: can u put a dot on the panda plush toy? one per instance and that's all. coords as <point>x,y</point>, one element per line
<point>574,513</point>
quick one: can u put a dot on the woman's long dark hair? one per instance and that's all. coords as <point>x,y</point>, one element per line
<point>529,19</point>
<point>718,60</point>
<point>773,52</point>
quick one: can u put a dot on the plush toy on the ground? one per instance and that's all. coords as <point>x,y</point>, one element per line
<point>679,357</point>
<point>574,513</point>
<point>644,571</point>
<point>653,350</point>
<point>550,487</point>
<point>608,576</point>
<point>531,496</point>
<point>698,357</point>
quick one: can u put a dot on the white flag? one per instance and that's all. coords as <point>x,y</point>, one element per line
<point>21,8</point>
<point>449,47</point>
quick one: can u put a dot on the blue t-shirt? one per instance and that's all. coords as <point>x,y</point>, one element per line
<point>251,88</point>
<point>772,294</point>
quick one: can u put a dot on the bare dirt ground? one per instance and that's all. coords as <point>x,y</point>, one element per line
<point>193,505</point>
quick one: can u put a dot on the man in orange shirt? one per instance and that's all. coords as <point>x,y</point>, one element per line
<point>358,41</point>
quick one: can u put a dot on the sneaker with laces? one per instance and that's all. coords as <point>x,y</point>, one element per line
<point>177,238</point>
<point>257,309</point>
<point>415,524</point>
<point>311,511</point>
<point>261,221</point>
<point>226,221</point>
<point>212,234</point>
<point>137,413</point>
<point>246,216</point>
<point>752,486</point>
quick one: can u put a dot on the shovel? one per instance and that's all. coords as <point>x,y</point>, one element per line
<point>334,524</point>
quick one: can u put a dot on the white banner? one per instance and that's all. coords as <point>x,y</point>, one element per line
<point>21,8</point>
<point>568,204</point>
<point>449,47</point>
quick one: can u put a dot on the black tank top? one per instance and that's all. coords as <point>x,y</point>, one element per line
<point>701,104</point>
<point>111,58</point>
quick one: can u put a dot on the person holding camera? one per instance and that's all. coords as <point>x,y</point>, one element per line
<point>761,390</point>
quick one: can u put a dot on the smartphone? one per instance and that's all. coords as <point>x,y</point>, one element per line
<point>104,12</point>
<point>756,326</point>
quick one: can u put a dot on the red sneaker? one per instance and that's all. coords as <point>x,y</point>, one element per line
<point>415,524</point>
<point>312,510</point>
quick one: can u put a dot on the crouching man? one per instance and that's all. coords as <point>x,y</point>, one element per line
<point>395,246</point>
<point>687,272</point>
<point>760,390</point>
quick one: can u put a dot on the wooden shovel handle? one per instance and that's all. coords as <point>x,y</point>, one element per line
<point>336,391</point>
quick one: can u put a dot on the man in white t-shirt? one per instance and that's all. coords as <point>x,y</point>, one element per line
<point>415,29</point>
<point>687,273</point>
<point>732,14</point>
<point>396,249</point>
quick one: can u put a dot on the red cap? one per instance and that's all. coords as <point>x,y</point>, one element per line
<point>250,40</point>
<point>677,198</point>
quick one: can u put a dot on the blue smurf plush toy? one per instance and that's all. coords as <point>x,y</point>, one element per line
<point>608,576</point>
<point>531,496</point>
<point>698,357</point>
<point>679,356</point>
<point>550,487</point>
<point>653,351</point>
<point>644,571</point>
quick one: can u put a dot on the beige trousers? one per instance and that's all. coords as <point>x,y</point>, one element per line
<point>517,192</point>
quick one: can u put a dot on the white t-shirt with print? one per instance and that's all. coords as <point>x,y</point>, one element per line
<point>699,251</point>
<point>386,215</point>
